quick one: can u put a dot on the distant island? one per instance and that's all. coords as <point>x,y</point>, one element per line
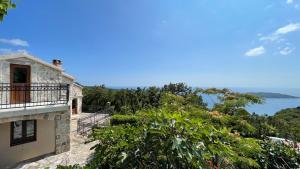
<point>273,95</point>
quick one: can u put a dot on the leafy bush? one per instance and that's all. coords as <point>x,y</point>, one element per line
<point>171,139</point>
<point>123,119</point>
<point>278,156</point>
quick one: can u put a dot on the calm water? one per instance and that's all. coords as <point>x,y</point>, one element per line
<point>271,106</point>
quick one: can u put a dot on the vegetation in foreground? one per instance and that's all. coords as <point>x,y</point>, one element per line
<point>178,131</point>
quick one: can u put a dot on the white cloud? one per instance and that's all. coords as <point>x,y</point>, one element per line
<point>277,35</point>
<point>256,51</point>
<point>4,51</point>
<point>22,51</point>
<point>15,42</point>
<point>286,51</point>
<point>272,38</point>
<point>289,1</point>
<point>288,28</point>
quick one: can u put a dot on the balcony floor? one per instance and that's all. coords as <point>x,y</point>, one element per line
<point>14,110</point>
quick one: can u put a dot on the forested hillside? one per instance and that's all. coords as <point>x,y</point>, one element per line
<point>273,95</point>
<point>287,122</point>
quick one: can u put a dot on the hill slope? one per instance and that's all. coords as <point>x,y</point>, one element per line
<point>273,95</point>
<point>287,121</point>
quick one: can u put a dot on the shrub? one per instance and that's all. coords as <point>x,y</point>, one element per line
<point>171,140</point>
<point>278,156</point>
<point>123,119</point>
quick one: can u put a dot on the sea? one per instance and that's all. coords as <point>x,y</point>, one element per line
<point>270,105</point>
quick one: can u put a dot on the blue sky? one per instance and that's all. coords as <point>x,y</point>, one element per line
<point>230,43</point>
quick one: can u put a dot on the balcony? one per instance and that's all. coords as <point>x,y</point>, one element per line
<point>23,96</point>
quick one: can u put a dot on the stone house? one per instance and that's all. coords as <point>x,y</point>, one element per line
<point>37,100</point>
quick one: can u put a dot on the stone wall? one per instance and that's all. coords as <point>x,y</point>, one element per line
<point>4,69</point>
<point>79,100</point>
<point>39,74</point>
<point>76,93</point>
<point>62,128</point>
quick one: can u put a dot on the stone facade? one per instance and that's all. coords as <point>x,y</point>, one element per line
<point>43,73</point>
<point>76,93</point>
<point>62,128</point>
<point>40,74</point>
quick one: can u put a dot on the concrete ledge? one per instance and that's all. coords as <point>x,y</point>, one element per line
<point>15,112</point>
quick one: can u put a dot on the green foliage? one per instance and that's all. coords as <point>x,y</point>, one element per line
<point>278,156</point>
<point>262,125</point>
<point>172,138</point>
<point>123,119</point>
<point>287,122</point>
<point>129,101</point>
<point>5,5</point>
<point>232,106</point>
<point>96,98</point>
<point>231,102</point>
<point>179,89</point>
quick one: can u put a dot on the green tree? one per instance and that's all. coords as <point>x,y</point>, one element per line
<point>5,5</point>
<point>179,89</point>
<point>231,102</point>
<point>129,101</point>
<point>288,123</point>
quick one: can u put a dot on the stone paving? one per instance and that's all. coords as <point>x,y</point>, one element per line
<point>80,153</point>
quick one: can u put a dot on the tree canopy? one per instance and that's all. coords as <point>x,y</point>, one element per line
<point>129,101</point>
<point>5,5</point>
<point>288,123</point>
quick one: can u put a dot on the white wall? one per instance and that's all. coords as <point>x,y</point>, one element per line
<point>45,144</point>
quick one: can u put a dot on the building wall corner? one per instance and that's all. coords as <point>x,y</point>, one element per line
<point>62,130</point>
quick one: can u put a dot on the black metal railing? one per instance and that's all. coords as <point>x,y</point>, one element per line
<point>32,95</point>
<point>85,124</point>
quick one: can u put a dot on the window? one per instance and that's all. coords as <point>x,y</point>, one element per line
<point>23,132</point>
